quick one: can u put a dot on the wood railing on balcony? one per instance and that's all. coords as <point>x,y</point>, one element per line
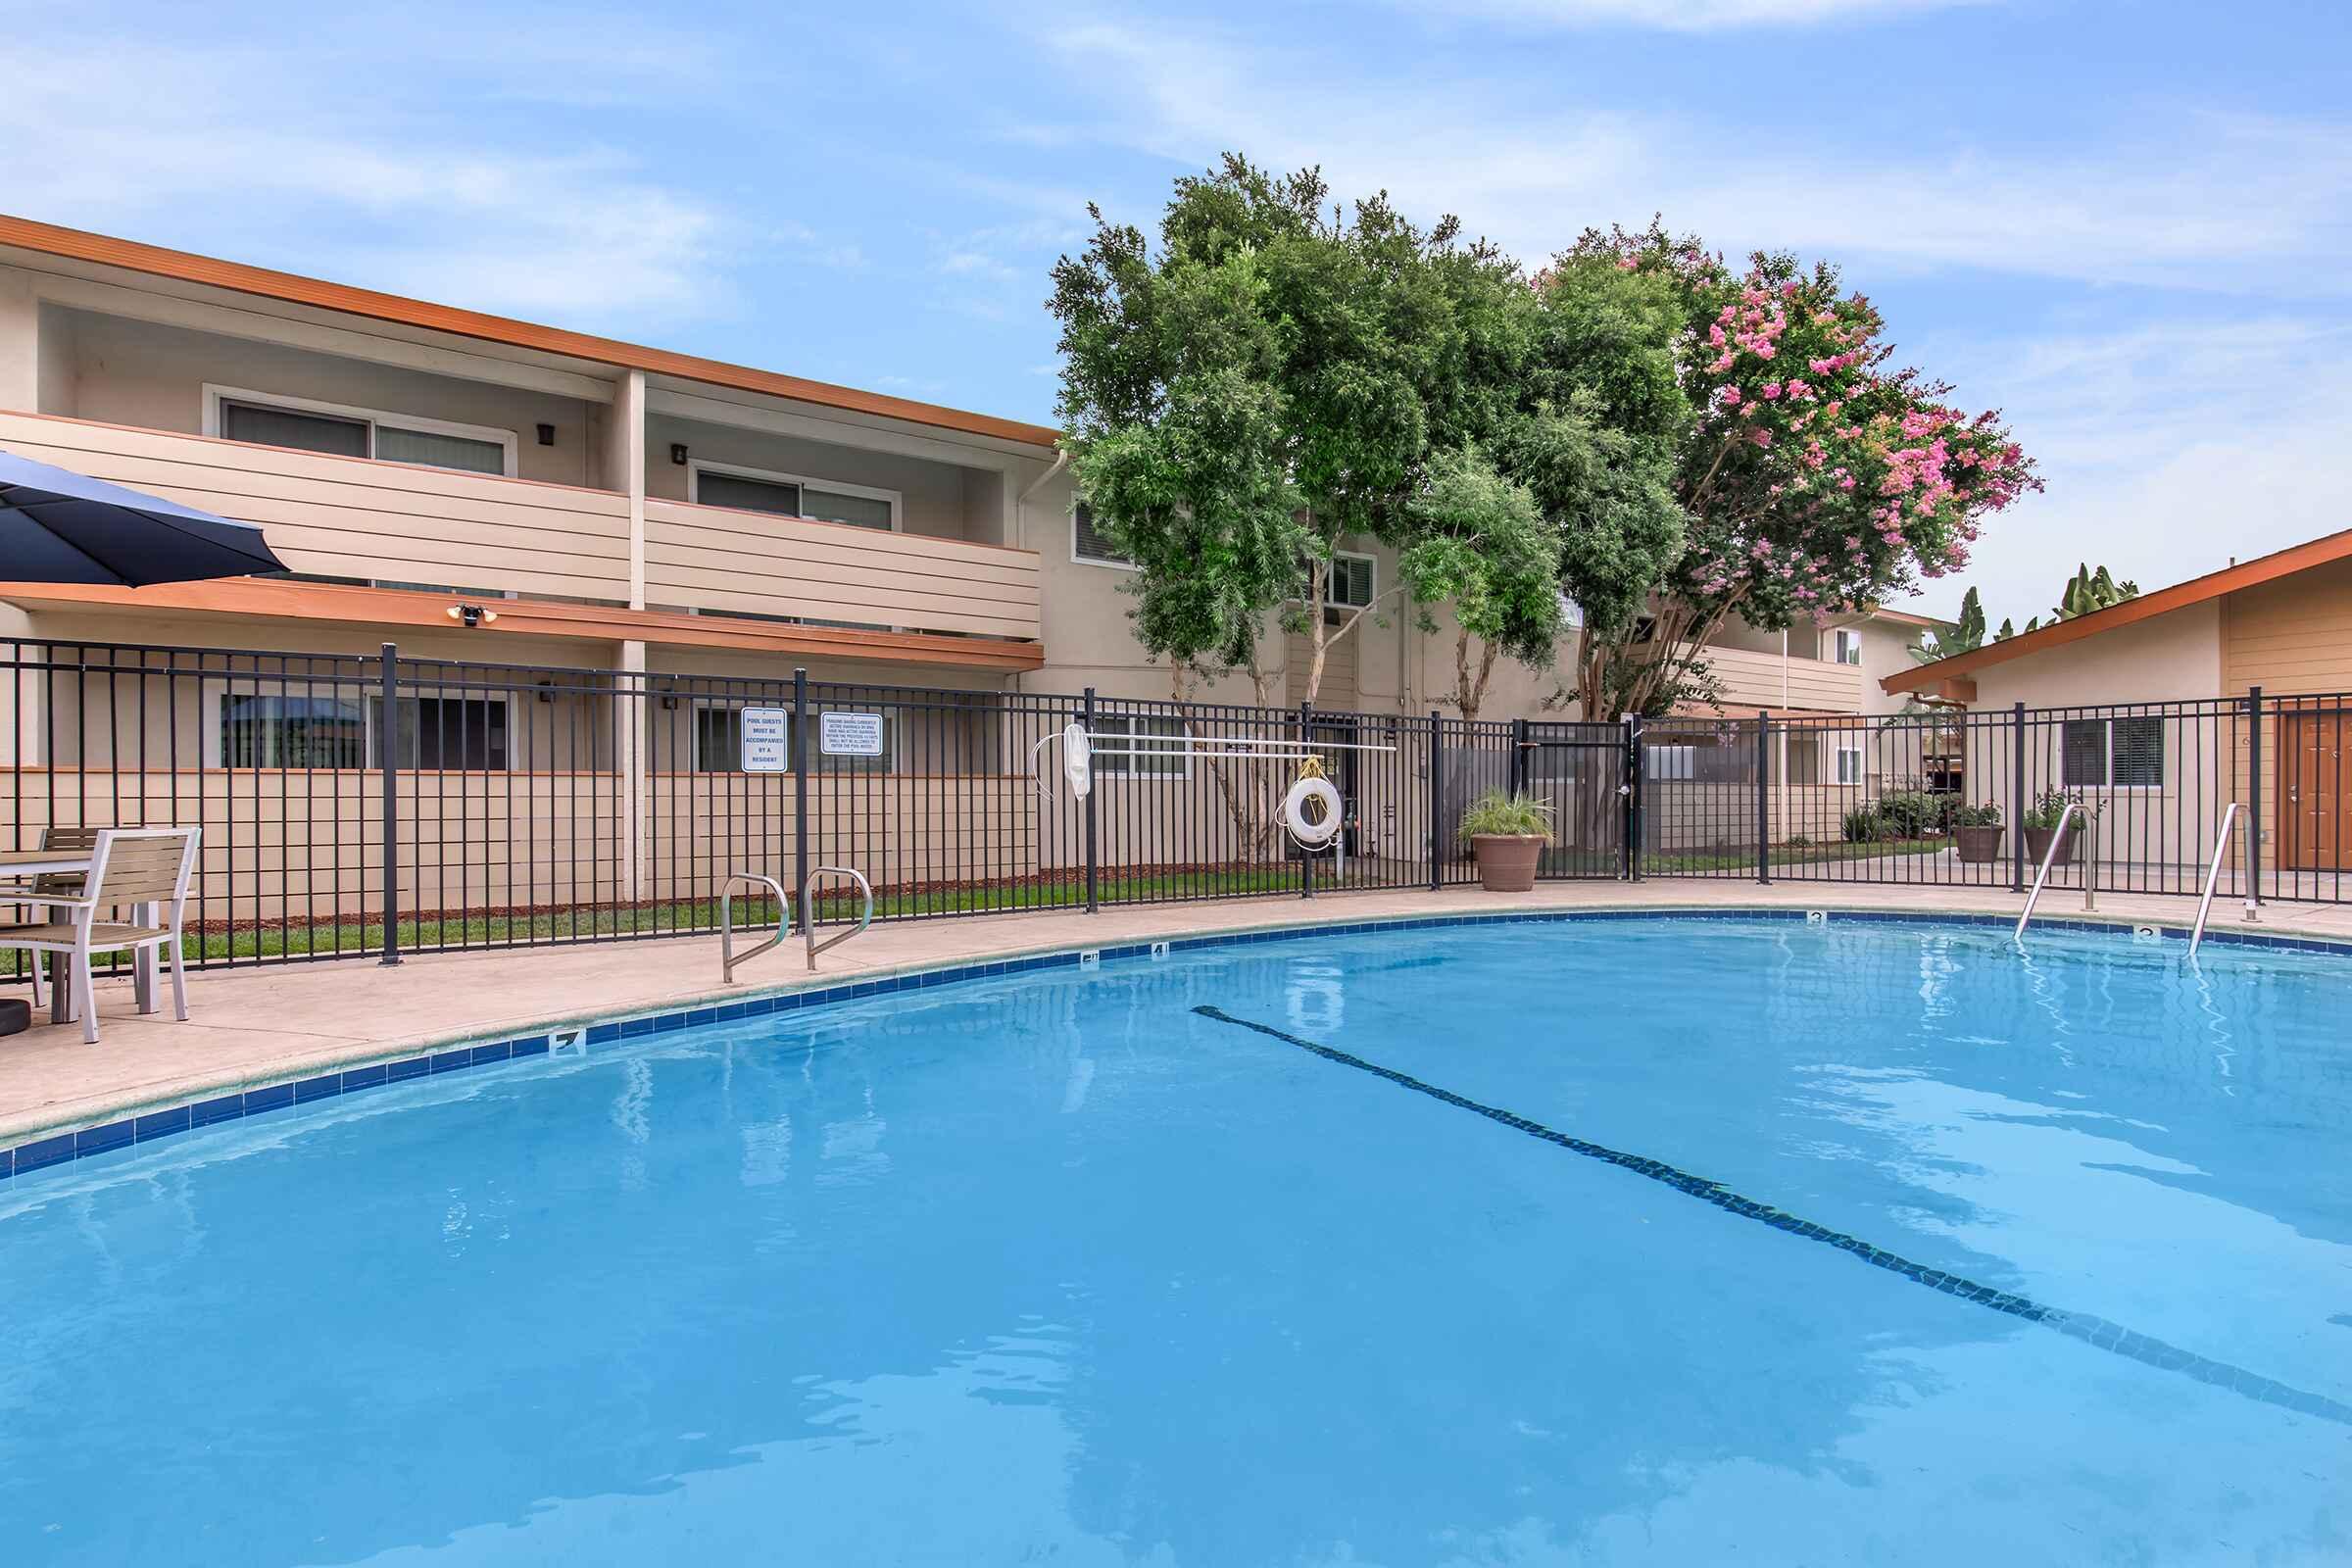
<point>1749,680</point>
<point>343,517</point>
<point>717,559</point>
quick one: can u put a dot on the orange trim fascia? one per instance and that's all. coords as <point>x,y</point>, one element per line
<point>400,607</point>
<point>2196,591</point>
<point>159,261</point>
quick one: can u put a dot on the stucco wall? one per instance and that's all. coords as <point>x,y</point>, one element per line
<point>2165,657</point>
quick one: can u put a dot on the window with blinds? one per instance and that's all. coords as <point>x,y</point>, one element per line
<point>1090,544</point>
<point>792,498</point>
<point>2135,750</point>
<point>1347,585</point>
<point>2114,753</point>
<point>356,433</point>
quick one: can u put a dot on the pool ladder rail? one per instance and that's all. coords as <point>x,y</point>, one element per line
<point>2049,858</point>
<point>749,881</point>
<point>2213,877</point>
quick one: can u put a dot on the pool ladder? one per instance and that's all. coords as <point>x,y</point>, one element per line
<point>748,881</point>
<point>2049,858</point>
<point>2213,877</point>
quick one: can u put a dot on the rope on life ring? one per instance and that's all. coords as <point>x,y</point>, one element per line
<point>1311,832</point>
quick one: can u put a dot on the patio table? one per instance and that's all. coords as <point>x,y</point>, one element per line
<point>24,864</point>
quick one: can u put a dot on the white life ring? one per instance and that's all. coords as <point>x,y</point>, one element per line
<point>1077,759</point>
<point>1311,833</point>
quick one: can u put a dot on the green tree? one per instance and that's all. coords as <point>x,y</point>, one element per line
<point>1952,641</point>
<point>1483,545</point>
<point>1812,479</point>
<point>1262,385</point>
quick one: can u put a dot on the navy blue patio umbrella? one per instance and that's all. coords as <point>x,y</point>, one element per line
<point>57,526</point>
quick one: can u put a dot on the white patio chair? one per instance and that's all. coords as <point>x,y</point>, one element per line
<point>38,892</point>
<point>128,866</point>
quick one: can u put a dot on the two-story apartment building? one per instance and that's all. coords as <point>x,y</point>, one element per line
<point>599,518</point>
<point>615,504</point>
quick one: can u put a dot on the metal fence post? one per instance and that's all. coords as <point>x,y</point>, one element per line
<point>1763,800</point>
<point>1518,756</point>
<point>1093,830</point>
<point>2017,799</point>
<point>387,741</point>
<point>800,797</point>
<point>1436,802</point>
<point>2254,796</point>
<point>1306,857</point>
<point>1634,784</point>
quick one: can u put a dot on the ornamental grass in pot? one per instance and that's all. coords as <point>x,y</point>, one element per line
<point>1976,830</point>
<point>1507,833</point>
<point>2041,825</point>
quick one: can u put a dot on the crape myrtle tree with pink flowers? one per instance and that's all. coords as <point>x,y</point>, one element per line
<point>1813,479</point>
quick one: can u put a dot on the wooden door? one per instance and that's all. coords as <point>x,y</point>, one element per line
<point>2315,809</point>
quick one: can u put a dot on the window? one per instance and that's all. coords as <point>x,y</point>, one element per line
<point>452,733</point>
<point>1670,762</point>
<point>1142,746</point>
<point>347,432</point>
<point>2114,753</point>
<point>1850,763</point>
<point>787,495</point>
<point>292,729</point>
<point>1090,546</point>
<point>1847,648</point>
<point>718,739</point>
<point>277,730</point>
<point>1347,584</point>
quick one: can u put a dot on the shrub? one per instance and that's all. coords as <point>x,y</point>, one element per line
<point>2047,808</point>
<point>1862,824</point>
<point>1908,813</point>
<point>1495,815</point>
<point>1986,815</point>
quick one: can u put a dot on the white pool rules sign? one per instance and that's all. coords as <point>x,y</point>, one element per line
<point>767,739</point>
<point>850,734</point>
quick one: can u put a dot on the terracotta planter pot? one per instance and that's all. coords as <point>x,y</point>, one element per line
<point>1506,861</point>
<point>2037,845</point>
<point>1979,846</point>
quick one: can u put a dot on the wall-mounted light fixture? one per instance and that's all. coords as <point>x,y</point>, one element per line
<point>677,453</point>
<point>547,435</point>
<point>546,693</point>
<point>471,615</point>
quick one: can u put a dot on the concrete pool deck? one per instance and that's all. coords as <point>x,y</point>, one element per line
<point>269,1024</point>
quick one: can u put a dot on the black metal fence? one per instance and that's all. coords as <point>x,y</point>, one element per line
<point>374,804</point>
<point>1950,798</point>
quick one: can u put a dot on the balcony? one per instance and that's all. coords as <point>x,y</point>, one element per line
<point>1749,680</point>
<point>337,517</point>
<point>397,523</point>
<point>717,559</point>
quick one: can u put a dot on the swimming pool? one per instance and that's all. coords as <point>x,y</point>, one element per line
<point>1655,1240</point>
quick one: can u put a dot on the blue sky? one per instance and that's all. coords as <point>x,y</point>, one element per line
<point>2127,224</point>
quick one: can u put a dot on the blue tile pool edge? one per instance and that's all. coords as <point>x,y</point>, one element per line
<point>145,1126</point>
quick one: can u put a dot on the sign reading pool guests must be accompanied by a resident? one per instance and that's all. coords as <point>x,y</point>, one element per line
<point>766,748</point>
<point>850,734</point>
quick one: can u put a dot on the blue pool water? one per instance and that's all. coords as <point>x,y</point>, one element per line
<point>1639,1242</point>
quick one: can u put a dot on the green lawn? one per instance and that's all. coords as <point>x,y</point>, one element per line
<point>269,941</point>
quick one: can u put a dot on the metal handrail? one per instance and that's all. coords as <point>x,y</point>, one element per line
<point>808,909</point>
<point>726,923</point>
<point>2049,858</point>
<point>2213,877</point>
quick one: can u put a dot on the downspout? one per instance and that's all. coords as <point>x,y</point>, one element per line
<point>1020,513</point>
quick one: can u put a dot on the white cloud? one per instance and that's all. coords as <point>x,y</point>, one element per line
<point>312,158</point>
<point>2218,202</point>
<point>2168,450</point>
